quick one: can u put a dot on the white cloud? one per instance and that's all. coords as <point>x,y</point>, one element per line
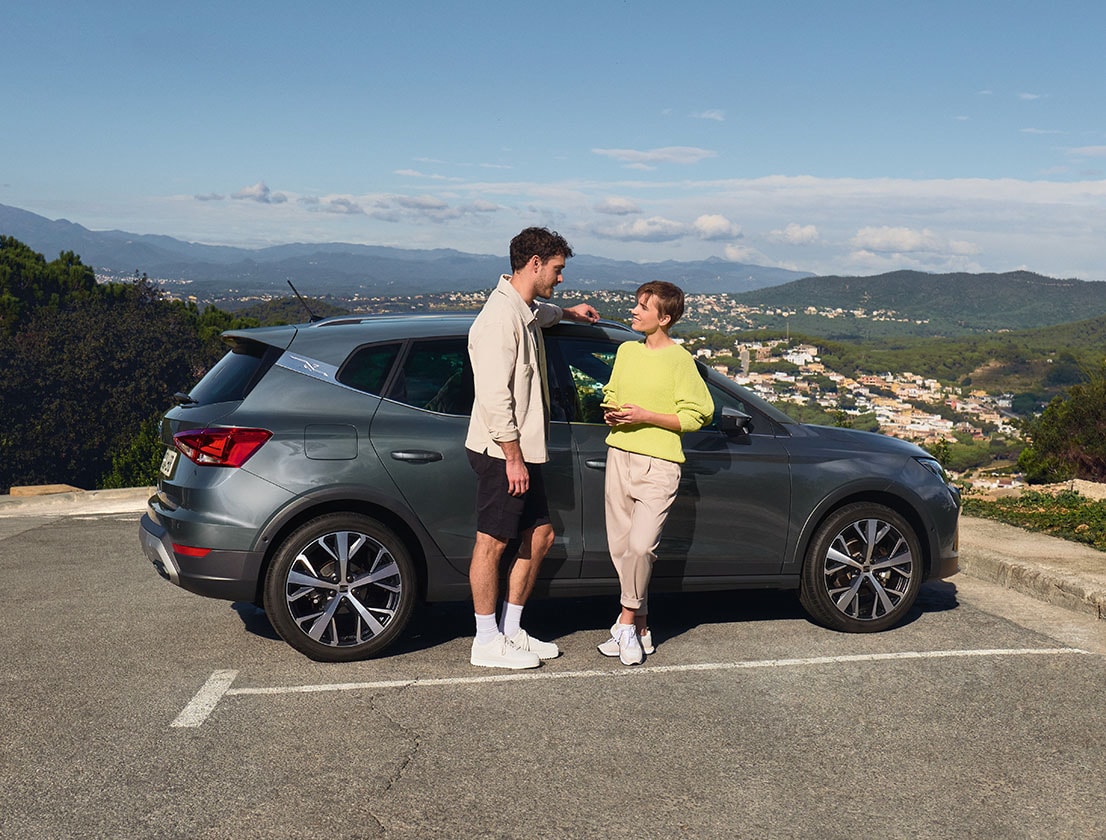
<point>716,114</point>
<point>895,240</point>
<point>743,254</point>
<point>715,227</point>
<point>648,158</point>
<point>414,173</point>
<point>795,234</point>
<point>901,240</point>
<point>343,205</point>
<point>821,225</point>
<point>961,248</point>
<point>1089,151</point>
<point>1029,97</point>
<point>1039,131</point>
<point>260,193</point>
<point>655,229</point>
<point>617,207</point>
<point>209,197</point>
<point>420,202</point>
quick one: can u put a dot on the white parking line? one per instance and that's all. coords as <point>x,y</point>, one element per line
<point>202,705</point>
<point>218,684</point>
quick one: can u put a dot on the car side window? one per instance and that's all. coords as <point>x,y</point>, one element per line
<point>367,368</point>
<point>435,375</point>
<point>589,365</point>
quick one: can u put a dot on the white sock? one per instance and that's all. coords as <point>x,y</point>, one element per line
<point>486,629</point>
<point>512,619</point>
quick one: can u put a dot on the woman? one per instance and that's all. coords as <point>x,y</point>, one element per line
<point>654,395</point>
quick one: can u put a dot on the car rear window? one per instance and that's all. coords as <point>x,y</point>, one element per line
<point>235,374</point>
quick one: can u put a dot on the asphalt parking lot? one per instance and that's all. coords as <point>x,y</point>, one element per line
<point>134,709</point>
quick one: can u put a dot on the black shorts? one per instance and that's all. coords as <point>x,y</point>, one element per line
<point>498,513</point>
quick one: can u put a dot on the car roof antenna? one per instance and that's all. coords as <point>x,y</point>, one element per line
<point>311,315</point>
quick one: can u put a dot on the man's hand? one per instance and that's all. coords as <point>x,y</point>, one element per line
<point>518,478</point>
<point>585,313</point>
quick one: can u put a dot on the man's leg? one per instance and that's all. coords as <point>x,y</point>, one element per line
<point>524,571</point>
<point>535,544</point>
<point>490,648</point>
<point>484,572</point>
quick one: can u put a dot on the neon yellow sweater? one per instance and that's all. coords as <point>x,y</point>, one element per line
<point>665,381</point>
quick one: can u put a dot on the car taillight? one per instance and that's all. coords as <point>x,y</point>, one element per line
<point>191,550</point>
<point>228,447</point>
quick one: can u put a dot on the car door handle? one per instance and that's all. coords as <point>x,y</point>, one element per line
<point>596,463</point>
<point>416,456</point>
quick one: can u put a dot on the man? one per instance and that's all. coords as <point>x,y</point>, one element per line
<point>506,444</point>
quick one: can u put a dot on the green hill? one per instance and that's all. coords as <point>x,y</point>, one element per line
<point>916,303</point>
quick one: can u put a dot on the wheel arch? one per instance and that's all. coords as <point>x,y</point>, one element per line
<point>896,502</point>
<point>343,500</point>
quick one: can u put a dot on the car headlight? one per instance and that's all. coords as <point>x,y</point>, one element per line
<point>934,466</point>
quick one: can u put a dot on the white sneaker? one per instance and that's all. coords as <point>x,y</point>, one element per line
<point>610,647</point>
<point>524,641</point>
<point>499,653</point>
<point>629,646</point>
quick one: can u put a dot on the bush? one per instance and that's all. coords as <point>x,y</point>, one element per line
<point>1068,439</point>
<point>136,462</point>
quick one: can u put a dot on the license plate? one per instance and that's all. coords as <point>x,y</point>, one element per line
<point>169,461</point>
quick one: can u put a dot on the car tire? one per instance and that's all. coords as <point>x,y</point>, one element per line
<point>340,588</point>
<point>863,569</point>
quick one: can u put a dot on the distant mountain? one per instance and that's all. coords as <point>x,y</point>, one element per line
<point>344,270</point>
<point>948,304</point>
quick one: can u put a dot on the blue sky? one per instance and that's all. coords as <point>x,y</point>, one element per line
<point>832,137</point>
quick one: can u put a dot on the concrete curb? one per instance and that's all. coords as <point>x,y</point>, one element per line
<point>77,503</point>
<point>1056,571</point>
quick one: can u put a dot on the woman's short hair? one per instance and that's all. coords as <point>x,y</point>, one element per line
<point>668,296</point>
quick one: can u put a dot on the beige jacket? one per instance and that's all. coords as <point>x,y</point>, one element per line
<point>508,365</point>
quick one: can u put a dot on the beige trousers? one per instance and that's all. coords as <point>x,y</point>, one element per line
<point>640,490</point>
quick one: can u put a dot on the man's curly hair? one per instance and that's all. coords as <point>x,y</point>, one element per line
<point>540,242</point>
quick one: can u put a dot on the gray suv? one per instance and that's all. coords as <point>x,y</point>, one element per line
<point>319,471</point>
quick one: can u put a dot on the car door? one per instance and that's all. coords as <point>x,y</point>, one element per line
<point>419,434</point>
<point>731,512</point>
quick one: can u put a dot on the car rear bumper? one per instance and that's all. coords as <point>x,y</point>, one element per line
<point>227,575</point>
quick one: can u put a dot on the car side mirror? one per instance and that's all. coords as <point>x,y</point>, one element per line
<point>734,422</point>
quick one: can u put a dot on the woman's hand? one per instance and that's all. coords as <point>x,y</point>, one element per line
<point>626,414</point>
